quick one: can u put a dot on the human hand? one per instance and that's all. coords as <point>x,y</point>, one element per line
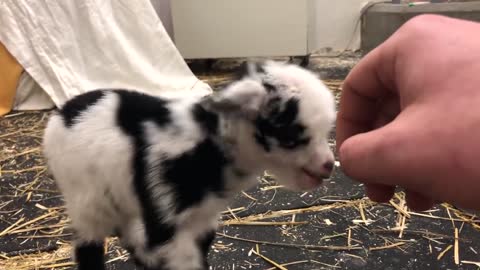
<point>410,115</point>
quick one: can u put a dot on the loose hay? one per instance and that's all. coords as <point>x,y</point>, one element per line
<point>257,252</point>
<point>41,260</point>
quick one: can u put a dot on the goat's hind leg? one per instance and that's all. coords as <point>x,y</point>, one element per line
<point>90,255</point>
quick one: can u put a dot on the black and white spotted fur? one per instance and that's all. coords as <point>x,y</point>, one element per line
<point>157,171</point>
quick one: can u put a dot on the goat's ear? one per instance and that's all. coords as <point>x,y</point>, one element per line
<point>243,98</point>
<point>250,69</point>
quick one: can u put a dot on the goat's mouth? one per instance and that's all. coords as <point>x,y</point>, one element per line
<point>311,180</point>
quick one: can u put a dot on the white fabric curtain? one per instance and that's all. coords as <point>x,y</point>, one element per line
<point>70,47</point>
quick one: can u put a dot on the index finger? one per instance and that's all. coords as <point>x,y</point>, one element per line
<point>368,81</point>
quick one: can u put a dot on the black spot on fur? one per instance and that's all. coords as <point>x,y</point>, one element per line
<point>280,125</point>
<point>288,115</point>
<point>89,256</point>
<point>134,110</point>
<point>262,140</point>
<point>273,106</point>
<point>73,108</point>
<point>270,87</point>
<point>196,173</point>
<point>207,120</point>
<point>204,243</point>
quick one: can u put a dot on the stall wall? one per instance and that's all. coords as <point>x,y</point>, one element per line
<point>336,26</point>
<point>333,25</point>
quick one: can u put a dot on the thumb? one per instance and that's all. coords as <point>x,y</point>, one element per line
<point>376,157</point>
<point>383,159</point>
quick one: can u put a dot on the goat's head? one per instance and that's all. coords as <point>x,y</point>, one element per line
<point>291,113</point>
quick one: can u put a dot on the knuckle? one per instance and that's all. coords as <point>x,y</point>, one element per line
<point>421,25</point>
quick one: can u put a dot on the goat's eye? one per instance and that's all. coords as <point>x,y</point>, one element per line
<point>292,144</point>
<point>270,87</point>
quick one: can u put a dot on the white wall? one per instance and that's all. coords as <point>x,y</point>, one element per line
<point>336,25</point>
<point>240,28</point>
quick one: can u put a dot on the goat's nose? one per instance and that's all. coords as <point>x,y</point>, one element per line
<point>328,166</point>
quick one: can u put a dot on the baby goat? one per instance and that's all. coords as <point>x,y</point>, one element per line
<point>157,171</point>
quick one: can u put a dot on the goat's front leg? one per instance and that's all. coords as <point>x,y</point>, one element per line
<point>205,244</point>
<point>179,254</point>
